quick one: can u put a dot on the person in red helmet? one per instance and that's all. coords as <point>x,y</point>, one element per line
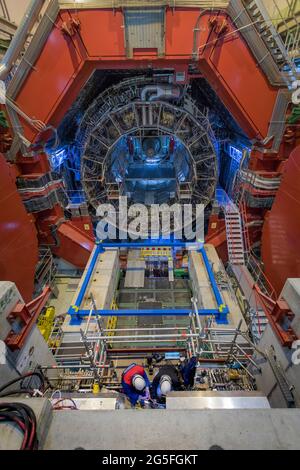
<point>135,383</point>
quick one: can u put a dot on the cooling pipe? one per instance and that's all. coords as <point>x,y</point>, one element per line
<point>157,92</point>
<point>19,39</point>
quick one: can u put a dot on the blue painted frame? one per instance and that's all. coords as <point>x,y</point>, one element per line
<point>77,314</point>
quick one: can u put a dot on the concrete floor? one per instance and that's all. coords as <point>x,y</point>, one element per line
<point>176,429</point>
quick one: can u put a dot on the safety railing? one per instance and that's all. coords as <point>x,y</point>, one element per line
<point>251,262</point>
<point>45,271</point>
<point>278,23</point>
<point>144,3</point>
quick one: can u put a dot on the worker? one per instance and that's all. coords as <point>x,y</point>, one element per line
<point>136,384</point>
<point>166,380</point>
<point>188,371</point>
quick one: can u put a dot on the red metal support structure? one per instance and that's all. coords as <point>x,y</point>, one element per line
<point>67,61</point>
<point>83,40</point>
<point>26,315</point>
<point>278,312</point>
<point>18,235</point>
<point>281,231</point>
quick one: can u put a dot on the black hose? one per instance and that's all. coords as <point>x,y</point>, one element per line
<point>24,418</point>
<point>25,376</point>
<point>16,392</point>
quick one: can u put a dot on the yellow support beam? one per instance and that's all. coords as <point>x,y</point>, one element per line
<point>46,322</point>
<point>112,321</point>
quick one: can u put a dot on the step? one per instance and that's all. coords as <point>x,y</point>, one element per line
<point>261,325</point>
<point>234,228</point>
<point>235,222</point>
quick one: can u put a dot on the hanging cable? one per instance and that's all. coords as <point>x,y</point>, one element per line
<point>4,393</point>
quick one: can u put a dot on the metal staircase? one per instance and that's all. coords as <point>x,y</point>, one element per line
<point>234,233</point>
<point>258,322</point>
<point>279,27</point>
<point>284,385</point>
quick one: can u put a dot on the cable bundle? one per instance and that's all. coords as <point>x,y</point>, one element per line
<point>21,390</point>
<point>24,418</point>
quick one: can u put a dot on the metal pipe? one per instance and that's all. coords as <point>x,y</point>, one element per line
<point>72,367</point>
<point>88,321</point>
<point>172,340</point>
<point>160,92</point>
<point>90,357</point>
<point>192,345</point>
<point>179,337</point>
<point>235,338</point>
<point>248,357</point>
<point>184,312</point>
<point>242,365</point>
<point>172,328</point>
<point>133,338</point>
<point>194,329</point>
<point>20,37</point>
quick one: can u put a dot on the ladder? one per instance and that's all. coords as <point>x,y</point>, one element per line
<point>258,322</point>
<point>281,379</point>
<point>234,234</point>
<point>283,46</point>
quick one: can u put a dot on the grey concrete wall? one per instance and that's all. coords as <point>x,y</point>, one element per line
<point>174,429</point>
<point>266,381</point>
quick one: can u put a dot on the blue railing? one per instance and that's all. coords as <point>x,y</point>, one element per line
<point>78,314</point>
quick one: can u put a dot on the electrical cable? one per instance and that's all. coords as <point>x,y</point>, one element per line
<point>56,391</point>
<point>24,418</point>
<point>17,392</point>
<point>19,379</point>
<point>61,407</point>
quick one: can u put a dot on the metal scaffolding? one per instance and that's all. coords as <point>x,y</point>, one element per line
<point>97,352</point>
<point>125,110</point>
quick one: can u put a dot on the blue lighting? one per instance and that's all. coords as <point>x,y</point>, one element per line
<point>232,158</point>
<point>65,161</point>
<point>235,153</point>
<point>149,167</point>
<point>57,158</point>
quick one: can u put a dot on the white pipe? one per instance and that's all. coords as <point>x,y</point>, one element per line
<point>19,39</point>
